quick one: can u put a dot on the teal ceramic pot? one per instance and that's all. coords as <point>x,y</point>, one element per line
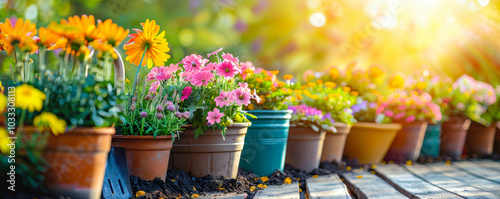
<point>265,143</point>
<point>432,140</point>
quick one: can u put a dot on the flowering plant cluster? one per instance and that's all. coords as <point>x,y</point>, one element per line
<point>329,98</point>
<point>492,113</point>
<point>307,116</point>
<point>270,90</point>
<point>406,108</point>
<point>364,110</point>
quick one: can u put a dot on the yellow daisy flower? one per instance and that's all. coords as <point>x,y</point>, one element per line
<point>3,103</point>
<point>49,121</point>
<point>113,34</point>
<point>4,140</point>
<point>28,97</point>
<point>151,43</point>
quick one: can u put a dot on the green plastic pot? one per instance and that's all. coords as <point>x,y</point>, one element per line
<point>265,143</point>
<point>432,140</point>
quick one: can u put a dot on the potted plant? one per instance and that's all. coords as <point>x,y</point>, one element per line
<point>214,97</point>
<point>266,139</point>
<point>152,111</point>
<point>459,108</point>
<point>481,134</point>
<point>367,141</point>
<point>335,101</point>
<point>52,95</point>
<point>412,111</point>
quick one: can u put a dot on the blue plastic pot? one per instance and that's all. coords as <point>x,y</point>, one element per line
<point>432,140</point>
<point>265,143</point>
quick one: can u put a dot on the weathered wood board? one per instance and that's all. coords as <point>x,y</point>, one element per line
<point>279,191</point>
<point>367,185</point>
<point>327,187</point>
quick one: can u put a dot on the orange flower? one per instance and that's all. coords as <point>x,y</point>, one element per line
<point>275,72</point>
<point>113,34</point>
<point>259,80</point>
<point>330,84</point>
<point>85,26</point>
<point>334,73</point>
<point>375,72</point>
<point>421,85</point>
<point>314,97</point>
<point>268,78</point>
<point>311,84</point>
<point>50,39</point>
<point>319,81</point>
<point>354,93</point>
<point>346,89</point>
<point>18,33</point>
<point>396,81</point>
<point>281,84</point>
<point>288,77</point>
<point>151,43</point>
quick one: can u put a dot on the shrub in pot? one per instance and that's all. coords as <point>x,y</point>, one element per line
<point>214,97</point>
<point>65,111</point>
<point>266,139</point>
<point>413,111</point>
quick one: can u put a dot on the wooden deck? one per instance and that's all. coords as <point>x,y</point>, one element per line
<point>463,179</point>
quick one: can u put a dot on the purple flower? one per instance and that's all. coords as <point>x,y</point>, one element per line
<point>177,114</point>
<point>171,107</point>
<point>144,114</point>
<point>186,115</point>
<point>159,116</point>
<point>159,108</point>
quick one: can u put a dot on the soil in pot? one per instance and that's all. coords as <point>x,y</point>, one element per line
<point>147,156</point>
<point>369,142</point>
<point>333,146</point>
<point>265,142</point>
<point>480,139</point>
<point>210,154</point>
<point>304,148</point>
<point>453,134</point>
<point>407,143</point>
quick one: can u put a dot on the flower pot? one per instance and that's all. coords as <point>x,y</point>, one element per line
<point>480,139</point>
<point>77,161</point>
<point>369,142</point>
<point>333,147</point>
<point>407,143</point>
<point>304,148</point>
<point>147,156</point>
<point>497,139</point>
<point>453,134</point>
<point>265,142</point>
<point>432,140</point>
<point>209,154</point>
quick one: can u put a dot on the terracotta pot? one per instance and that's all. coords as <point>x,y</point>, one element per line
<point>407,143</point>
<point>333,147</point>
<point>497,139</point>
<point>453,134</point>
<point>304,148</point>
<point>210,154</point>
<point>147,156</point>
<point>369,142</point>
<point>77,161</point>
<point>480,139</point>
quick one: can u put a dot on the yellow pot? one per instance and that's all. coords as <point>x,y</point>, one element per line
<point>369,142</point>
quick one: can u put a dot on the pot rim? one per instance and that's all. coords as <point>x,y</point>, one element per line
<point>269,111</point>
<point>143,137</point>
<point>391,126</point>
<point>247,124</point>
<point>341,124</point>
<point>80,130</point>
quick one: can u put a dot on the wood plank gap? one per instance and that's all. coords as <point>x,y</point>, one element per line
<point>478,170</point>
<point>327,187</point>
<point>367,185</point>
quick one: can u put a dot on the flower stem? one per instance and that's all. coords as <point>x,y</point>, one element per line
<point>137,73</point>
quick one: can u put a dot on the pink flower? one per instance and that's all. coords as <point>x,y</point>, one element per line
<point>229,56</point>
<point>244,85</point>
<point>152,74</point>
<point>193,62</point>
<point>259,70</point>
<point>209,67</point>
<point>188,74</point>
<point>186,92</point>
<point>399,115</point>
<point>201,78</point>
<point>246,66</point>
<point>224,99</point>
<point>410,119</point>
<point>162,72</point>
<point>172,68</point>
<point>401,107</point>
<point>241,96</point>
<point>389,113</point>
<point>154,86</point>
<point>227,69</point>
<point>215,52</point>
<point>214,116</point>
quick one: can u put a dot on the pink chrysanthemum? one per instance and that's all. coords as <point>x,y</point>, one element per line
<point>209,67</point>
<point>224,99</point>
<point>230,57</point>
<point>241,96</point>
<point>186,92</point>
<point>193,62</point>
<point>201,78</point>
<point>227,69</point>
<point>215,52</point>
<point>154,86</point>
<point>214,116</point>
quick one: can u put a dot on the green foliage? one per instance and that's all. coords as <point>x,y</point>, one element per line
<point>273,93</point>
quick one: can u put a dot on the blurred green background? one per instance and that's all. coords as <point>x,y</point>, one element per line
<point>451,36</point>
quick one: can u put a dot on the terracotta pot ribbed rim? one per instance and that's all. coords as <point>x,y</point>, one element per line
<point>391,126</point>
<point>80,130</point>
<point>144,137</point>
<point>231,125</point>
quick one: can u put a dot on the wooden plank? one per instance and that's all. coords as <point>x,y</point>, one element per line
<point>449,184</point>
<point>279,191</point>
<point>478,170</point>
<point>215,195</point>
<point>465,177</point>
<point>489,164</point>
<point>367,185</point>
<point>409,184</point>
<point>327,187</point>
